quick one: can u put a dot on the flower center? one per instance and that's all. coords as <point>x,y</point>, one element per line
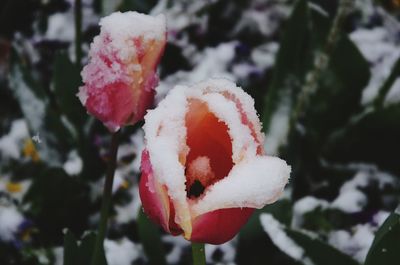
<point>210,155</point>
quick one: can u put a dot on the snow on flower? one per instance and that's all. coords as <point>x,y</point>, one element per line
<point>120,77</point>
<point>204,169</point>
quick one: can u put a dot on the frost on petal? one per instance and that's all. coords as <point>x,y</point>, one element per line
<point>252,183</point>
<point>120,78</point>
<point>209,135</point>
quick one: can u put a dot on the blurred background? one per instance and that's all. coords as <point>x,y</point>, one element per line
<point>325,76</point>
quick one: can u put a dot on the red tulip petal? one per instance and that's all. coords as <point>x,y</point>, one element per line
<point>155,205</point>
<point>121,75</point>
<point>207,137</point>
<point>219,226</point>
<point>246,121</point>
<point>155,201</point>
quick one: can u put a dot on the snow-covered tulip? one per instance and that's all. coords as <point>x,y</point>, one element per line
<point>204,170</point>
<point>120,78</point>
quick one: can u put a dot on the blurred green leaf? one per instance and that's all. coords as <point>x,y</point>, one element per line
<point>385,248</point>
<point>43,118</point>
<point>253,244</point>
<point>319,252</point>
<point>341,84</point>
<point>66,81</point>
<point>367,138</point>
<point>150,237</point>
<point>57,201</point>
<point>379,100</point>
<point>291,62</point>
<point>80,253</point>
<point>71,253</point>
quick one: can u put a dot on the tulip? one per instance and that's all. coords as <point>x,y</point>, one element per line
<point>120,78</point>
<point>204,170</point>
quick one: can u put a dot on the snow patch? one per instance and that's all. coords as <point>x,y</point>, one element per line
<point>121,252</point>
<point>276,233</point>
<point>74,164</point>
<point>10,219</point>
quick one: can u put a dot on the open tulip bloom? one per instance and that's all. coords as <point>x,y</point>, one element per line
<point>120,77</point>
<point>204,169</point>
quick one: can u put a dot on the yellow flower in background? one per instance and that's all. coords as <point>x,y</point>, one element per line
<point>13,187</point>
<point>29,150</point>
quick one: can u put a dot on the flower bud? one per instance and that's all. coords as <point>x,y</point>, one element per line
<point>120,77</point>
<point>204,169</point>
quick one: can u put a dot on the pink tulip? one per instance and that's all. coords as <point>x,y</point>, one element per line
<point>204,169</point>
<point>120,78</point>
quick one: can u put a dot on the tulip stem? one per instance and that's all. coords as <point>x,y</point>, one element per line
<point>106,203</point>
<point>198,253</point>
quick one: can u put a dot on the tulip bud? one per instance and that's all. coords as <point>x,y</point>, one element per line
<point>120,78</point>
<point>204,170</point>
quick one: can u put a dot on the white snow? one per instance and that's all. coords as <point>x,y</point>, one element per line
<point>128,212</point>
<point>356,243</point>
<point>201,168</point>
<point>74,164</point>
<point>264,56</point>
<point>278,236</point>
<point>121,252</point>
<point>278,129</point>
<point>350,201</point>
<point>10,219</point>
<point>137,144</point>
<point>60,28</point>
<point>393,95</point>
<point>15,190</point>
<point>305,205</point>
<point>380,50</point>
<point>12,143</point>
<point>122,28</point>
<point>165,135</point>
<point>179,244</point>
<point>32,107</point>
<point>253,183</point>
<point>228,250</point>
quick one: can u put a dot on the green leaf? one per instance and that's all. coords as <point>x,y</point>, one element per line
<point>253,244</point>
<point>71,254</point>
<point>66,81</point>
<point>150,237</point>
<point>80,253</point>
<point>312,249</point>
<point>291,63</point>
<point>379,100</point>
<point>371,137</point>
<point>385,248</point>
<point>57,201</point>
<point>319,252</point>
<point>343,81</point>
<point>42,117</point>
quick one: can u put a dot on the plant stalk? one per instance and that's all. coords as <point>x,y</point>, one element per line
<point>321,61</point>
<point>198,254</point>
<point>106,203</point>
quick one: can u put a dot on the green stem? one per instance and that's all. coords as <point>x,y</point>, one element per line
<point>106,203</point>
<point>321,61</point>
<point>198,253</point>
<point>380,98</point>
<point>78,31</point>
